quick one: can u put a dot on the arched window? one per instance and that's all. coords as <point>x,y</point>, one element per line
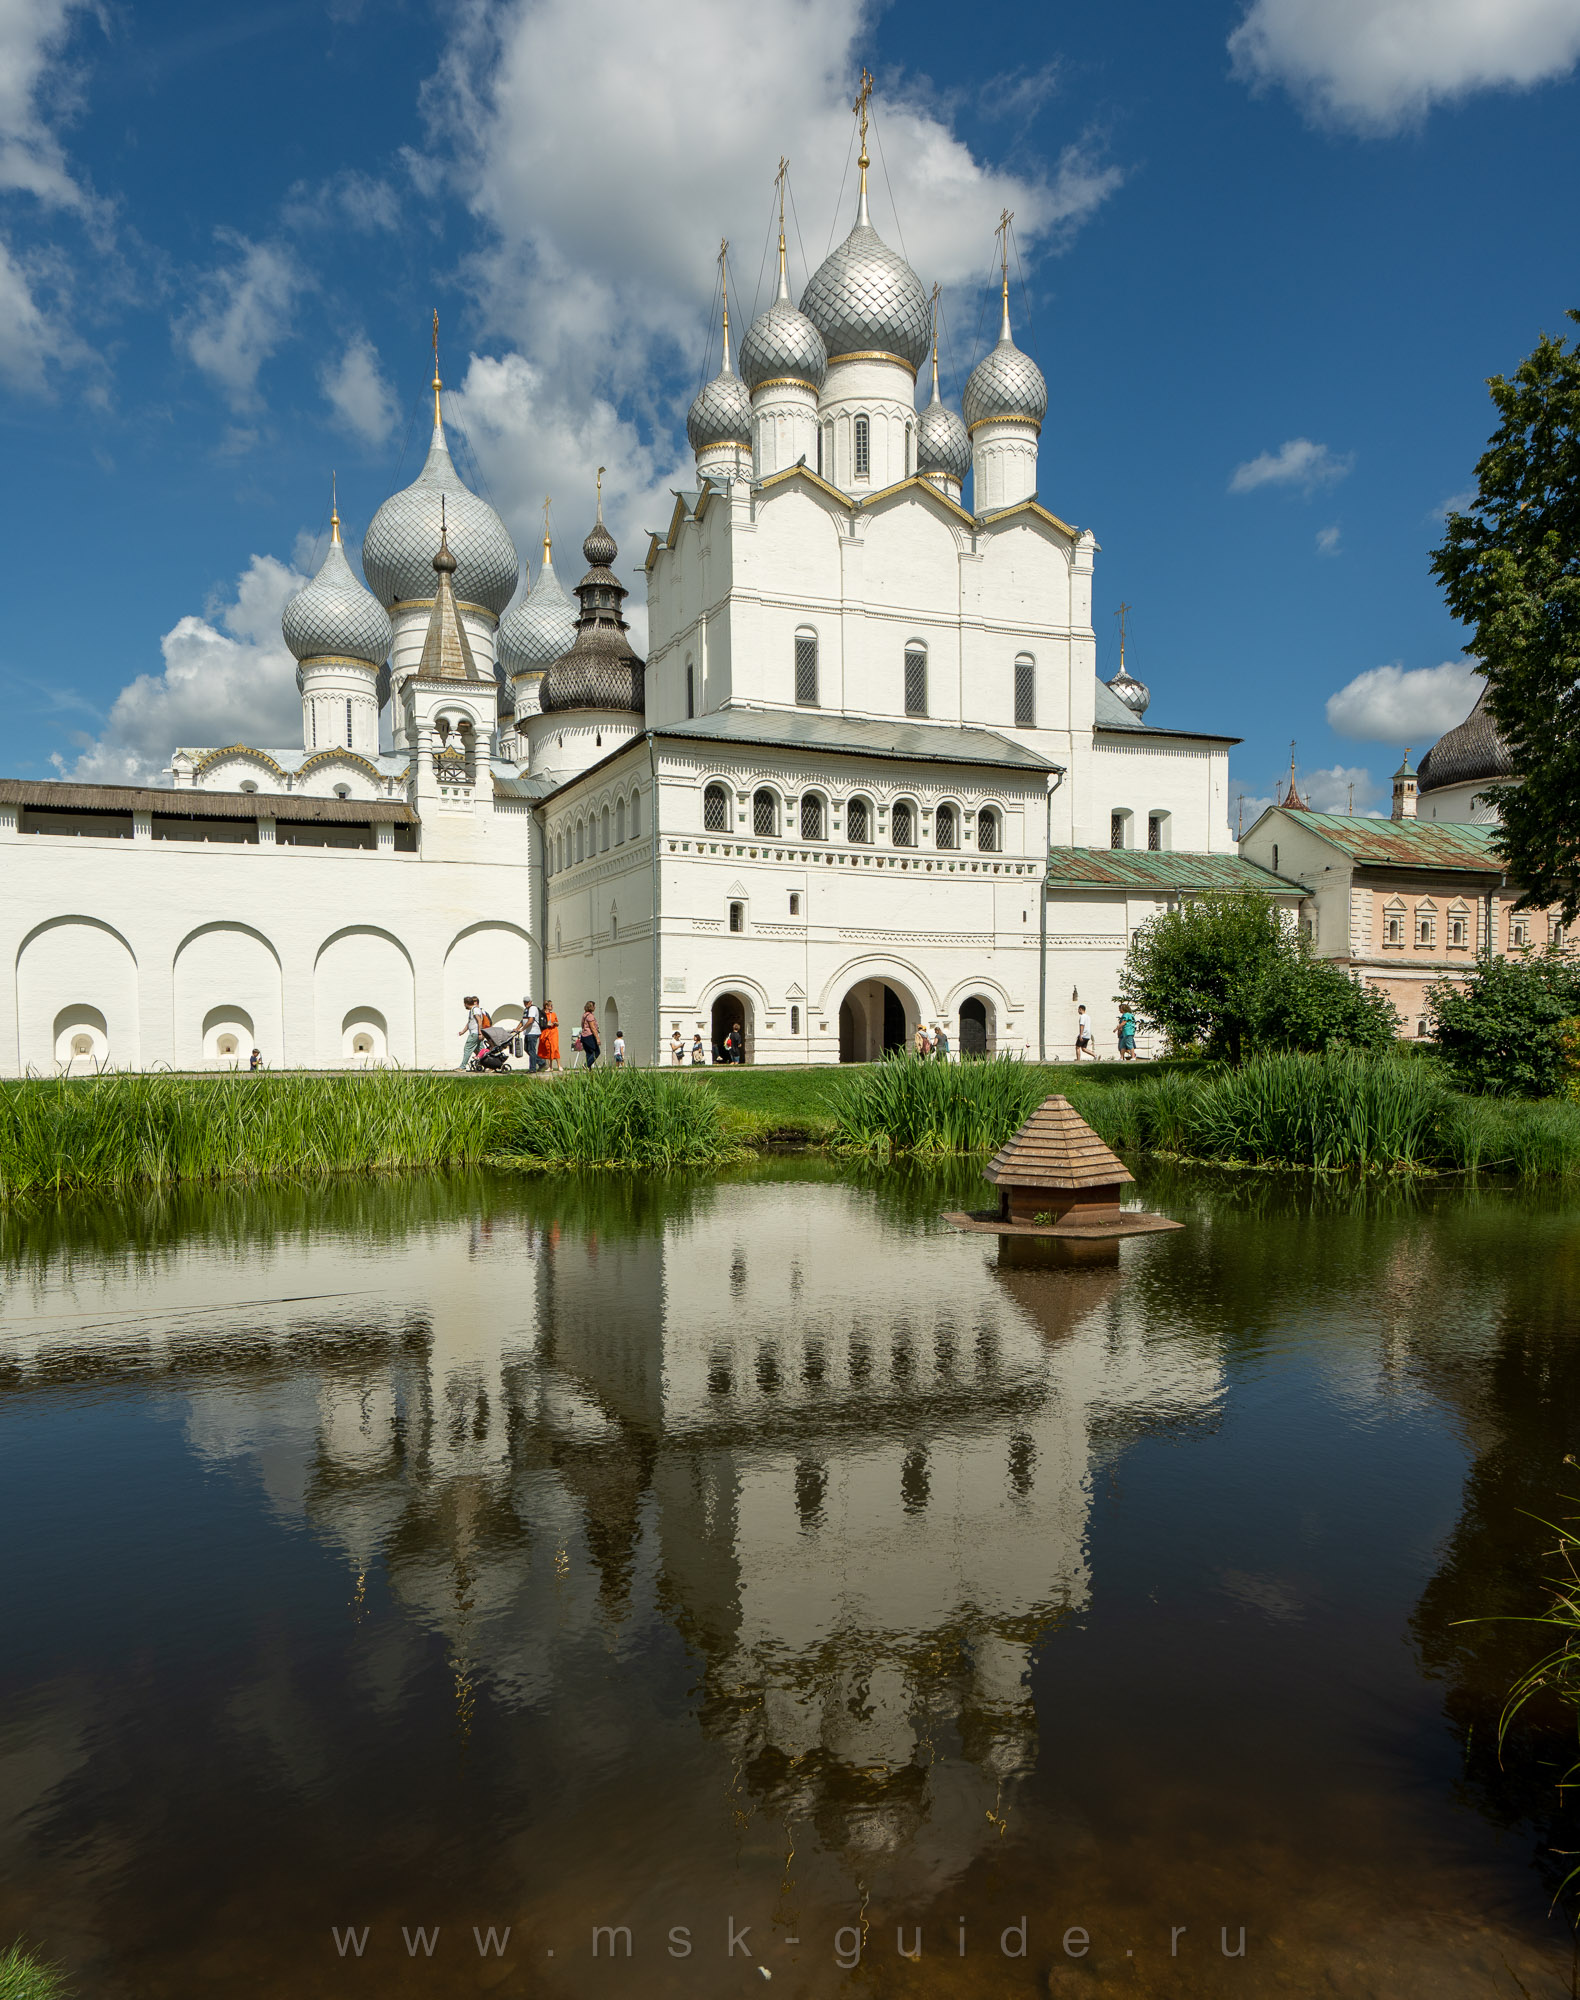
<point>811,816</point>
<point>916,679</point>
<point>348,722</point>
<point>1158,832</point>
<point>691,690</point>
<point>904,821</point>
<point>737,916</point>
<point>581,836</point>
<point>619,822</point>
<point>559,854</point>
<point>1117,828</point>
<point>764,816</point>
<point>603,841</point>
<point>945,824</point>
<point>716,810</point>
<point>636,815</point>
<point>863,450</point>
<point>806,668</point>
<point>1025,692</point>
<point>858,821</point>
<point>987,830</point>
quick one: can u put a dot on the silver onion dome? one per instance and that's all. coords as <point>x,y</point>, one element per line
<point>599,669</point>
<point>1136,695</point>
<point>942,446</point>
<point>333,617</point>
<point>397,551</point>
<point>782,344</point>
<point>721,415</point>
<point>1005,386</point>
<point>865,299</point>
<point>540,626</point>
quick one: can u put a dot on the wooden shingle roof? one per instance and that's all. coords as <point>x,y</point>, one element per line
<point>1056,1148</point>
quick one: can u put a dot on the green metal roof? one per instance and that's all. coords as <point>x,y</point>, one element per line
<point>802,729</point>
<point>1142,869</point>
<point>1408,843</point>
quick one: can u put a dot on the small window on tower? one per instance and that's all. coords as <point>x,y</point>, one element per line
<point>916,680</point>
<point>348,722</point>
<point>863,441</point>
<point>795,1020</point>
<point>1025,692</point>
<point>691,691</point>
<point>737,916</point>
<point>795,902</point>
<point>806,668</point>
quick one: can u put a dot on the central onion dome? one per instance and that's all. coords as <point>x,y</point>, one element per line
<point>397,551</point>
<point>722,414</point>
<point>942,446</point>
<point>1136,695</point>
<point>1469,754</point>
<point>782,344</point>
<point>599,670</point>
<point>865,299</point>
<point>333,617</point>
<point>1006,386</point>
<point>541,626</point>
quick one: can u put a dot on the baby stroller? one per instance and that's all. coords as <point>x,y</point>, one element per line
<point>493,1051</point>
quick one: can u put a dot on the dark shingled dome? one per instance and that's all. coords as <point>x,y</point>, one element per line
<point>1467,755</point>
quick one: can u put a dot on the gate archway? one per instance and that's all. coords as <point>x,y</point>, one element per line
<point>877,1017</point>
<point>728,1010</point>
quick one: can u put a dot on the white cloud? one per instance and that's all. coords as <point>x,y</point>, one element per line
<point>604,255</point>
<point>227,678</point>
<point>1328,540</point>
<point>1376,66</point>
<point>1456,503</point>
<point>351,196</point>
<point>37,334</point>
<point>1393,704</point>
<point>1297,462</point>
<point>33,34</point>
<point>242,315</point>
<point>358,393</point>
<point>1328,790</point>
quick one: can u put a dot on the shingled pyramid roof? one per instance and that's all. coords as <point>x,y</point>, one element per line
<point>446,650</point>
<point>1056,1148</point>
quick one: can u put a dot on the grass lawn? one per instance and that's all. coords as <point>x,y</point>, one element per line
<point>799,1103</point>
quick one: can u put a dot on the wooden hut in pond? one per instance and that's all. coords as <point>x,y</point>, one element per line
<point>1056,1169</point>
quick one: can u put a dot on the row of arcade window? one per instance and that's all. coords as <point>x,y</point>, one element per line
<point>859,820</point>
<point>594,836</point>
<point>806,682</point>
<point>1157,830</point>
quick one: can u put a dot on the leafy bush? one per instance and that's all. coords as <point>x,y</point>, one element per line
<point>1222,973</point>
<point>1501,1030</point>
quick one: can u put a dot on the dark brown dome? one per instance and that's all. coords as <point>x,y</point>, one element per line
<point>1470,754</point>
<point>599,670</point>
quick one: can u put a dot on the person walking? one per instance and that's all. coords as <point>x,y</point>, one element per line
<point>940,1041</point>
<point>587,1035</point>
<point>1083,1035</point>
<point>735,1045</point>
<point>1127,1035</point>
<point>923,1046</point>
<point>472,1032</point>
<point>619,1048</point>
<point>531,1032</point>
<point>549,1039</point>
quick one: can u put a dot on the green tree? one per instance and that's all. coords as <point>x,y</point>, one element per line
<point>1502,1031</point>
<point>1510,569</point>
<point>1223,974</point>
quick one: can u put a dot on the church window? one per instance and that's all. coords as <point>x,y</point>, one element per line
<point>1556,933</point>
<point>987,830</point>
<point>904,825</point>
<point>1425,928</point>
<point>946,826</point>
<point>691,691</point>
<point>1157,832</point>
<point>764,817</point>
<point>1275,857</point>
<point>863,448</point>
<point>806,668</point>
<point>603,842</point>
<point>795,1020</point>
<point>312,715</point>
<point>1393,931</point>
<point>348,722</point>
<point>1519,932</point>
<point>1458,928</point>
<point>820,451</point>
<point>636,815</point>
<point>737,916</point>
<point>619,823</point>
<point>581,836</point>
<point>916,680</point>
<point>858,821</point>
<point>795,902</point>
<point>1025,692</point>
<point>716,810</point>
<point>811,817</point>
<point>1116,830</point>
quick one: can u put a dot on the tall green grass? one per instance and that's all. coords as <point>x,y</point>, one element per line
<point>637,1119</point>
<point>911,1105</point>
<point>24,1977</point>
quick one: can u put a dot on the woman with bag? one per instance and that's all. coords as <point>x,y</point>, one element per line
<point>587,1040</point>
<point>549,1039</point>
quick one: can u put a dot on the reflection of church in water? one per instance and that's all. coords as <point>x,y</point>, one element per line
<point>848,1462</point>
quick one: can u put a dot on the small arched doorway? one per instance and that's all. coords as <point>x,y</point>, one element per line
<point>974,1020</point>
<point>610,1023</point>
<point>729,1010</point>
<point>875,1019</point>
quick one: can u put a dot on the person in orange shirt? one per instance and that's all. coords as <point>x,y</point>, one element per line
<point>549,1040</point>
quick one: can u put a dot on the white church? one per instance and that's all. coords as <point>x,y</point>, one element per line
<point>867,776</point>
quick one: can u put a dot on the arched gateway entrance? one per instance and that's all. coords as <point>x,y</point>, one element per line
<point>875,1019</point>
<point>727,1010</point>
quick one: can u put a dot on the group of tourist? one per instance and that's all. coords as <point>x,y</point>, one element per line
<point>1124,1033</point>
<point>932,1041</point>
<point>538,1037</point>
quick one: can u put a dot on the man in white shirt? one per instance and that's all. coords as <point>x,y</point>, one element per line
<point>532,1029</point>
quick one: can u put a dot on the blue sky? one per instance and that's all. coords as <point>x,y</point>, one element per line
<point>1271,251</point>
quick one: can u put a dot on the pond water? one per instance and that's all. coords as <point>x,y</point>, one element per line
<point>755,1574</point>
